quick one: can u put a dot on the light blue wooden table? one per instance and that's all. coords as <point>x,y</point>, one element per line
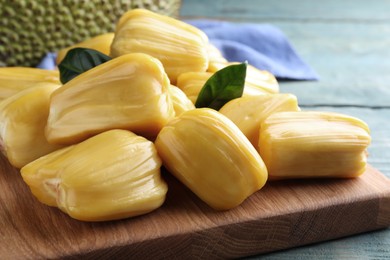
<point>348,44</point>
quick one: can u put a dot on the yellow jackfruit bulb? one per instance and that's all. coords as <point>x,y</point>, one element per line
<point>23,119</point>
<point>15,79</point>
<point>256,81</point>
<point>30,29</point>
<point>191,83</point>
<point>261,80</point>
<point>212,157</point>
<point>181,102</point>
<point>215,57</point>
<point>179,46</point>
<point>129,92</point>
<point>101,43</point>
<point>313,144</point>
<point>249,112</point>
<point>113,175</point>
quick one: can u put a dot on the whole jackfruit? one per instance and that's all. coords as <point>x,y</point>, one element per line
<point>30,28</point>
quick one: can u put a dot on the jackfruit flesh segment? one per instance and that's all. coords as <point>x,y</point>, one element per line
<point>129,92</point>
<point>215,57</point>
<point>261,79</point>
<point>179,46</point>
<point>313,144</point>
<point>192,82</point>
<point>101,43</point>
<point>249,112</point>
<point>15,79</point>
<point>256,80</point>
<point>113,175</point>
<point>180,101</point>
<point>23,118</point>
<point>211,156</point>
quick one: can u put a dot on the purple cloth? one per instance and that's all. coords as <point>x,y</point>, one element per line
<point>48,62</point>
<point>263,46</point>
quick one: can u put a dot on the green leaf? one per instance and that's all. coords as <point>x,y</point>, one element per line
<point>79,60</point>
<point>225,85</point>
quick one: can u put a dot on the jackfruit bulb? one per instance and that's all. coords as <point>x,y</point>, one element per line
<point>30,28</point>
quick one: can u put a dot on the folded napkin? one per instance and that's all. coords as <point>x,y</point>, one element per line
<point>48,62</point>
<point>263,46</point>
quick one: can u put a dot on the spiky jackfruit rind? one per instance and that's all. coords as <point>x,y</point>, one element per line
<point>30,29</point>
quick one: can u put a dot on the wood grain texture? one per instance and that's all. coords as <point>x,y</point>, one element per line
<point>345,42</point>
<point>282,215</point>
<point>352,60</point>
<point>289,10</point>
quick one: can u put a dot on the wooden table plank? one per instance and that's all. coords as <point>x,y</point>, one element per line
<point>374,245</point>
<point>352,60</point>
<point>347,45</point>
<point>283,214</point>
<point>291,10</point>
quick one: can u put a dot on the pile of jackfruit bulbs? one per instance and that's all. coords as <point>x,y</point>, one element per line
<point>94,146</point>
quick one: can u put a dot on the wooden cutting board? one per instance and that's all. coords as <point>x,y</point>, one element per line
<point>282,215</point>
